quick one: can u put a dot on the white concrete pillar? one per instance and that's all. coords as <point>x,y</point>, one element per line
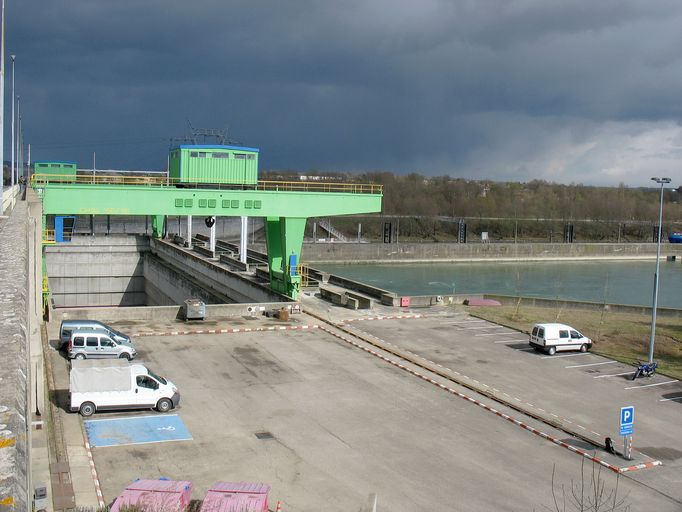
<point>189,231</point>
<point>211,244</point>
<point>243,238</point>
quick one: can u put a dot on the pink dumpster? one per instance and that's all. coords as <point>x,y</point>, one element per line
<point>155,495</point>
<point>236,497</point>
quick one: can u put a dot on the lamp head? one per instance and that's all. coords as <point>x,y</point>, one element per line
<point>661,181</point>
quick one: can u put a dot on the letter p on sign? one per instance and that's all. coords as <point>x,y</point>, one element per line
<point>627,419</point>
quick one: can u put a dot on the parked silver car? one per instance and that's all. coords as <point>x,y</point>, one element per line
<point>68,326</point>
<point>96,344</point>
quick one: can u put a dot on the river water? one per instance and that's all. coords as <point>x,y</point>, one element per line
<point>614,282</point>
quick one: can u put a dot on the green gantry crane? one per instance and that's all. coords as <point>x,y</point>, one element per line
<point>284,205</point>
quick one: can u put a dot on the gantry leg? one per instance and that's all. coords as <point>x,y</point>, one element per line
<point>284,236</point>
<point>158,226</point>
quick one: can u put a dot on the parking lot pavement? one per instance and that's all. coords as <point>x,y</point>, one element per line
<point>326,424</point>
<point>586,390</point>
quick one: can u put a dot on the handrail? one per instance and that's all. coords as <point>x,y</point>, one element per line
<point>48,237</point>
<point>42,180</point>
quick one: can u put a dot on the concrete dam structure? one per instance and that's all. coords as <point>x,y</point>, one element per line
<point>135,270</point>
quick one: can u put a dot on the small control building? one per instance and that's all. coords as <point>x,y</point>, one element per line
<point>58,171</point>
<point>213,165</point>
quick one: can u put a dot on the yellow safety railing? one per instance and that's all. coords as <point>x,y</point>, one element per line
<point>46,287</point>
<point>41,180</point>
<point>48,237</point>
<point>303,272</point>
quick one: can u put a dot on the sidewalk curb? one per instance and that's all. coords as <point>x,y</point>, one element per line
<point>93,470</point>
<point>226,331</point>
<point>388,317</point>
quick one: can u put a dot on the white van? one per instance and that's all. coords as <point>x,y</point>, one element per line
<point>553,338</point>
<point>116,384</point>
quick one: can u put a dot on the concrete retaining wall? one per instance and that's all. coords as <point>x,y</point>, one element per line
<point>165,285</point>
<point>215,276</point>
<point>104,270</point>
<point>590,306</point>
<point>428,252</point>
<point>15,415</point>
<point>163,313</point>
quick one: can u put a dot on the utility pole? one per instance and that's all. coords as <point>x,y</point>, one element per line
<point>2,106</point>
<point>20,135</point>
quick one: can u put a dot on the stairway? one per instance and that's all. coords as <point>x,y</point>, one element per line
<point>331,230</point>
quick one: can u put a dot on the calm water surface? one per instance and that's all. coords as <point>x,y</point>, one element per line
<point>615,282</point>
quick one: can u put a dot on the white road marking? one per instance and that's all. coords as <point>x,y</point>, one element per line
<point>511,341</point>
<point>567,355</point>
<point>490,334</point>
<point>651,385</point>
<point>478,327</point>
<point>590,364</point>
<point>613,375</point>
<point>668,399</point>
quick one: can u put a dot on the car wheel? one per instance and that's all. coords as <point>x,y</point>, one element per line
<point>80,356</point>
<point>87,409</point>
<point>164,405</point>
<point>583,348</point>
<point>125,355</point>
<point>551,351</point>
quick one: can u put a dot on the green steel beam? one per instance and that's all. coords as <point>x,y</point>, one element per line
<point>80,199</point>
<point>285,211</point>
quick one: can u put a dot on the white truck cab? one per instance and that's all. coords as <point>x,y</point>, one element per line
<point>116,384</point>
<point>553,338</point>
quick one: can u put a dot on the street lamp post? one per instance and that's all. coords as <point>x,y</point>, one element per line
<point>12,168</point>
<point>662,182</point>
<point>16,142</point>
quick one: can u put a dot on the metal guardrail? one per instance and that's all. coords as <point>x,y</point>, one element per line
<point>49,237</point>
<point>42,180</point>
<point>9,199</point>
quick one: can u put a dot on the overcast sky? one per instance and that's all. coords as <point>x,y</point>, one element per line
<point>511,90</point>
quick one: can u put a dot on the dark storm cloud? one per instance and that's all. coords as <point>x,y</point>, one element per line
<point>566,91</point>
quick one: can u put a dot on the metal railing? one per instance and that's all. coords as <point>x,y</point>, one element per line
<point>49,237</point>
<point>42,180</point>
<point>304,271</point>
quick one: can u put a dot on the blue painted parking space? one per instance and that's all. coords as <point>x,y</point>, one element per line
<point>159,428</point>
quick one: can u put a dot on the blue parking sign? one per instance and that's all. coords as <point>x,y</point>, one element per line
<point>627,420</point>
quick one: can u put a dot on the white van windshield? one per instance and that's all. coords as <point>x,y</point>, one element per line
<point>114,332</point>
<point>160,379</point>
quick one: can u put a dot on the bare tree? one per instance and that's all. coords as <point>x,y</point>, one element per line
<point>589,494</point>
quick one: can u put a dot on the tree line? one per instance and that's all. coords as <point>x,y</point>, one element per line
<point>537,210</point>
